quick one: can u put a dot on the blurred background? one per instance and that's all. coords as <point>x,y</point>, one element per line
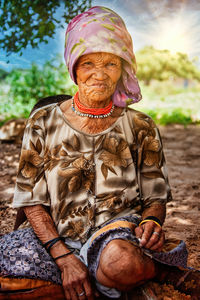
<point>166,39</point>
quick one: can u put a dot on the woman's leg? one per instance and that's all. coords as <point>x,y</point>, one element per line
<point>123,266</point>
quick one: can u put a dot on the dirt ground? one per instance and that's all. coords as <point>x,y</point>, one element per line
<point>182,151</point>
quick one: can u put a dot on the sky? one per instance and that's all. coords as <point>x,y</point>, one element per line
<point>164,24</point>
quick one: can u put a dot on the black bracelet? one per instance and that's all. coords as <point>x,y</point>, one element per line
<point>64,255</point>
<point>52,242</point>
<point>45,244</point>
<point>154,219</point>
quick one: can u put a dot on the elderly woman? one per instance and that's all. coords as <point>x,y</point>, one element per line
<point>92,178</point>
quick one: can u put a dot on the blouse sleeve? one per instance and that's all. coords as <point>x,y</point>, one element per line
<point>152,172</point>
<point>31,186</point>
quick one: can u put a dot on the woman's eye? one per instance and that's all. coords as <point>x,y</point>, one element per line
<point>111,64</point>
<point>87,63</point>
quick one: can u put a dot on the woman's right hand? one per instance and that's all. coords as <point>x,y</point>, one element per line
<point>75,278</point>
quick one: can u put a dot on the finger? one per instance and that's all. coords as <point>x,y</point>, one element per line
<point>159,245</point>
<point>155,237</point>
<point>148,229</point>
<point>88,290</point>
<point>81,292</point>
<point>73,294</point>
<point>66,289</point>
<point>67,294</point>
<point>139,231</point>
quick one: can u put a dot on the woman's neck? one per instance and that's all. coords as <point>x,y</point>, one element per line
<point>88,125</point>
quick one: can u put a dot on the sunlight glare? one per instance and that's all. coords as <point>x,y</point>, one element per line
<point>173,35</point>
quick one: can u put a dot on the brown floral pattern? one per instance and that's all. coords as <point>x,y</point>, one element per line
<point>116,202</point>
<point>115,153</point>
<point>74,229</point>
<point>51,157</point>
<point>86,213</point>
<point>29,165</point>
<point>79,175</point>
<point>86,179</point>
<point>39,114</point>
<point>149,147</point>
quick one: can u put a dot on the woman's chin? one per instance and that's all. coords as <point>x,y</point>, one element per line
<point>98,97</point>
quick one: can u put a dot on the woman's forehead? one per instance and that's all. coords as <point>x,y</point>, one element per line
<point>104,56</point>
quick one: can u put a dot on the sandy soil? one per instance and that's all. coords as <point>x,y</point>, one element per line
<point>182,150</point>
<point>183,160</point>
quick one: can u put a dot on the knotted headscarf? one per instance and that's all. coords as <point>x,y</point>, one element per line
<point>102,30</point>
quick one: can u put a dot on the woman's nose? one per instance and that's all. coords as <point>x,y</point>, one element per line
<point>99,74</point>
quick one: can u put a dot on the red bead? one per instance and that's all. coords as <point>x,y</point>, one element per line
<point>92,111</point>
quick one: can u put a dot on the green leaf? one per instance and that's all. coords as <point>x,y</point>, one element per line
<point>24,21</point>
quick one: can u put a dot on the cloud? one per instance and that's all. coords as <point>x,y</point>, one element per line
<point>3,64</point>
<point>8,66</point>
<point>149,21</point>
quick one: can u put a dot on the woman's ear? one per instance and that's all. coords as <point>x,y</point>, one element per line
<point>74,71</point>
<point>74,74</point>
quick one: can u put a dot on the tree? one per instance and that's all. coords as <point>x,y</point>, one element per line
<point>29,85</point>
<point>30,22</point>
<point>161,65</point>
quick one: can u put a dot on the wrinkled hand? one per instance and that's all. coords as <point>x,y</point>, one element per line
<point>151,236</point>
<point>75,279</point>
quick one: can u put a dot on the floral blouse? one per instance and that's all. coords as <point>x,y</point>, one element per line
<point>88,179</point>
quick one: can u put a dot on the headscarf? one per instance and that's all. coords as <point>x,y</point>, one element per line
<point>102,30</point>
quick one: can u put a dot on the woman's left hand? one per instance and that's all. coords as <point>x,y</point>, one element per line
<point>151,236</point>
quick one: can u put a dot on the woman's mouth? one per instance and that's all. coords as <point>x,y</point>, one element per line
<point>99,86</point>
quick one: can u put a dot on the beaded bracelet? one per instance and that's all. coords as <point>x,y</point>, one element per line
<point>64,255</point>
<point>153,219</point>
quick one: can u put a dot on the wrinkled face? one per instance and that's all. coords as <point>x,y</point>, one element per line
<point>97,75</point>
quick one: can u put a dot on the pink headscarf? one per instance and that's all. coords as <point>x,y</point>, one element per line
<point>101,30</point>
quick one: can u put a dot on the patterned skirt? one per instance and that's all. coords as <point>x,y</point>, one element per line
<point>23,256</point>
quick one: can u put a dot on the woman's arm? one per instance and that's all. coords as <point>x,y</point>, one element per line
<point>156,210</point>
<point>31,193</point>
<point>74,274</point>
<point>153,181</point>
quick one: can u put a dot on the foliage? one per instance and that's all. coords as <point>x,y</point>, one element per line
<point>28,86</point>
<point>3,74</point>
<point>176,116</point>
<point>36,83</point>
<point>30,22</point>
<point>168,103</point>
<point>162,65</point>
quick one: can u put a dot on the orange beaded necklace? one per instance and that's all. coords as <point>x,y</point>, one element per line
<point>92,112</point>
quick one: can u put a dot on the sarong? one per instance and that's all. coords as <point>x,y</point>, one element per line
<point>23,256</point>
